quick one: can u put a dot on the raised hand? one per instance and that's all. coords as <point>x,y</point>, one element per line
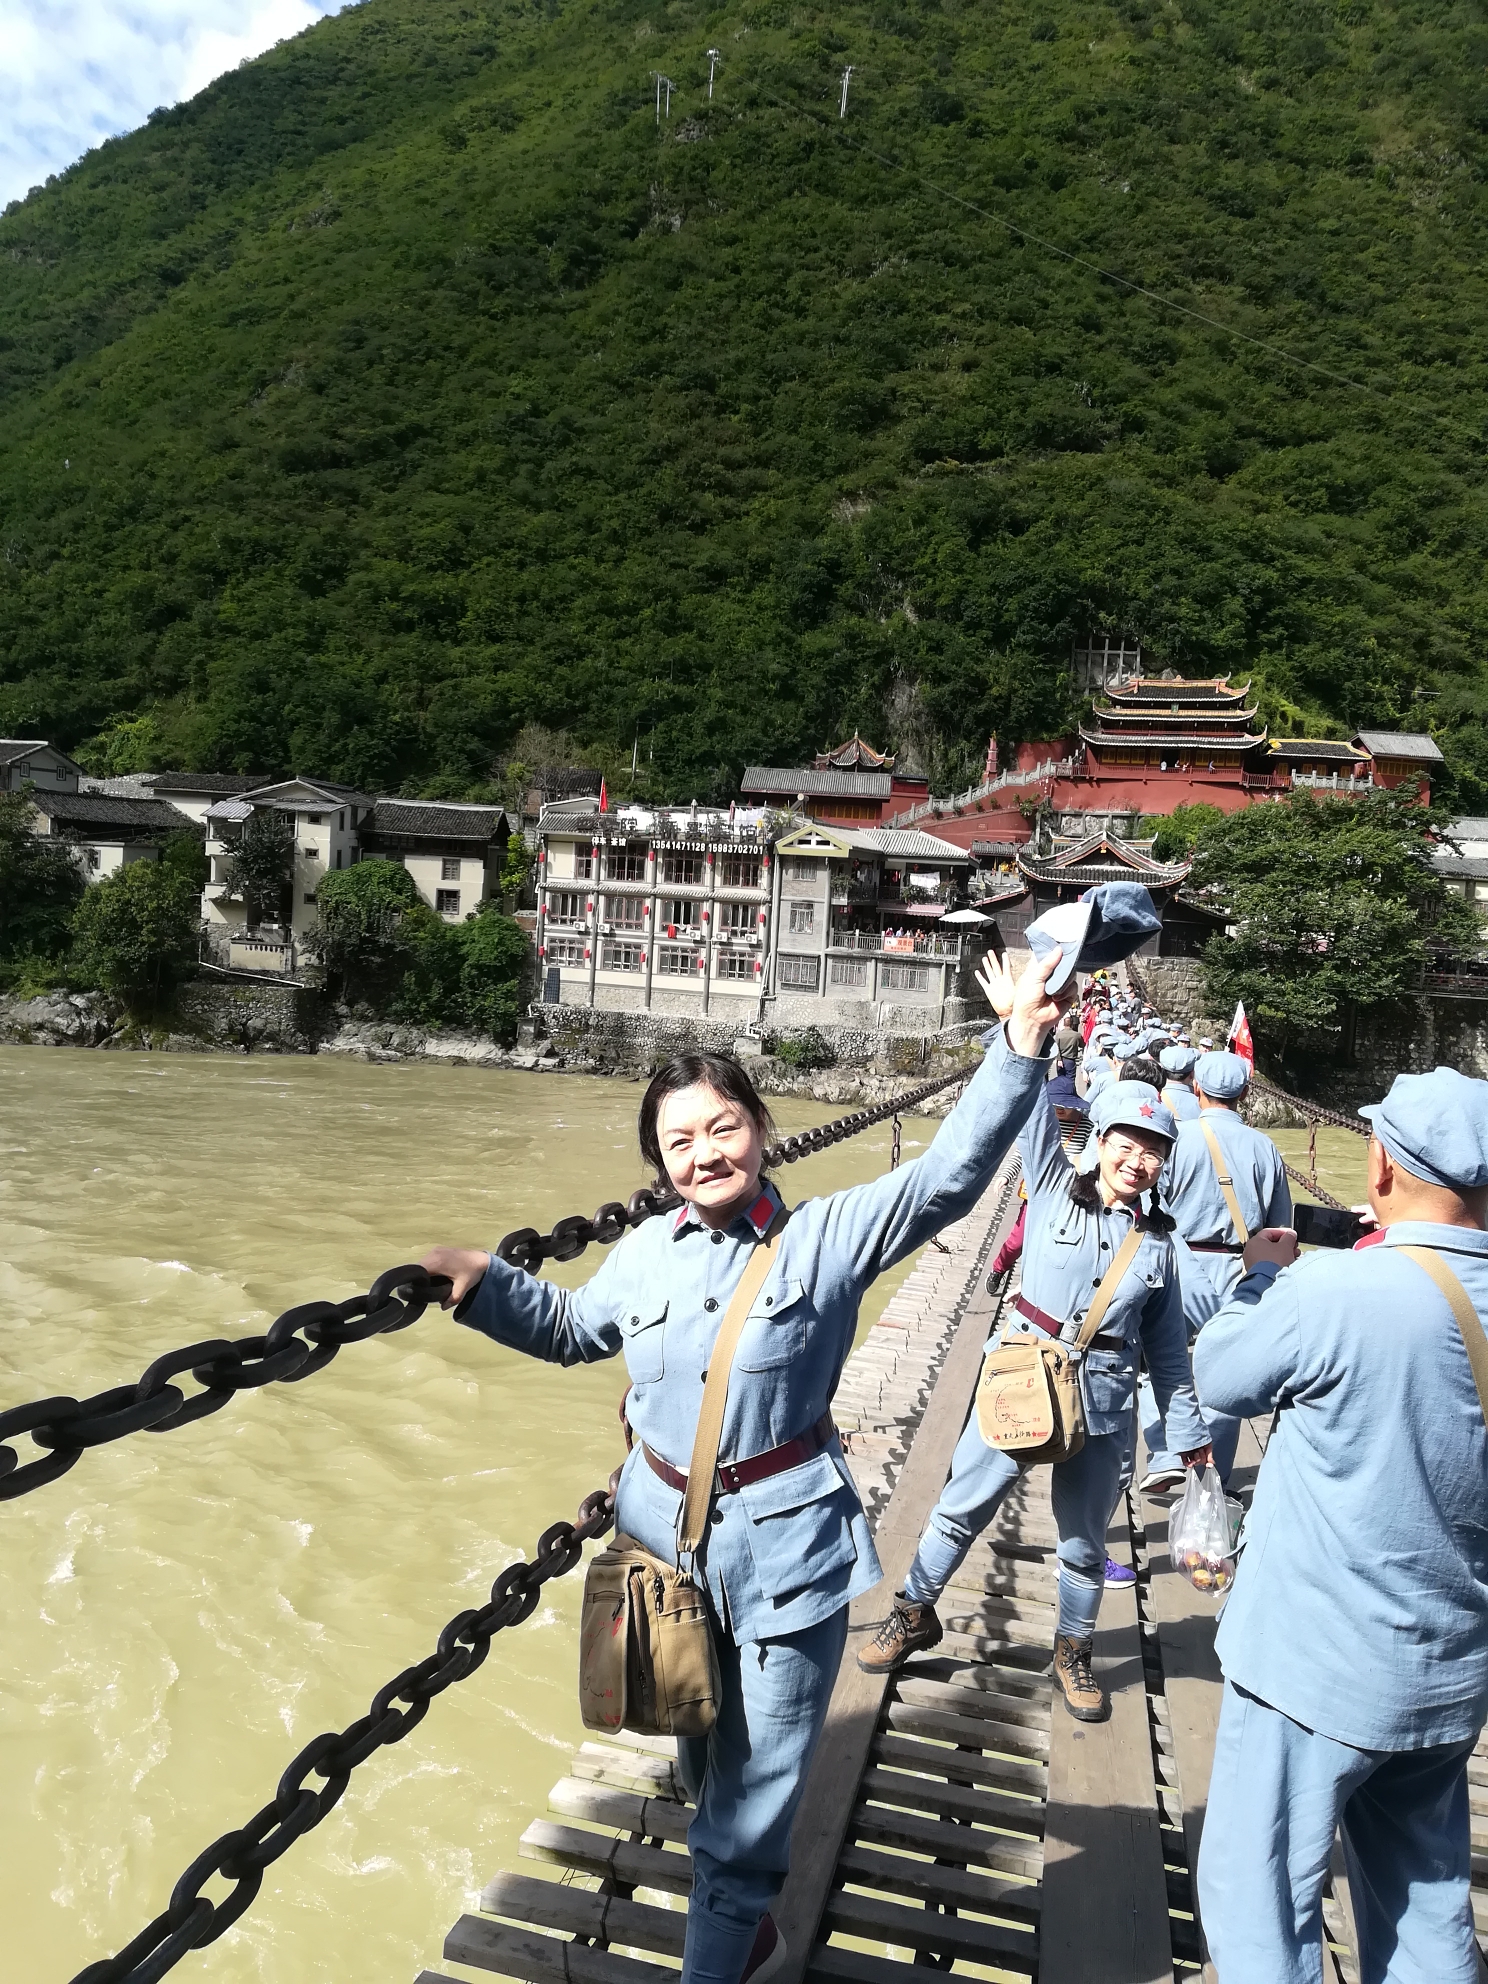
<point>1035,1010</point>
<point>996,980</point>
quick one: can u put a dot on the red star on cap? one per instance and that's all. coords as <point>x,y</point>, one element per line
<point>1144,1109</point>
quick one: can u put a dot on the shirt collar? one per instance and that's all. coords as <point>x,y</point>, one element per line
<point>757,1216</point>
<point>1426,1233</point>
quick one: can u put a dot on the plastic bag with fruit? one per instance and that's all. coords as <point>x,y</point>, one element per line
<point>1200,1538</point>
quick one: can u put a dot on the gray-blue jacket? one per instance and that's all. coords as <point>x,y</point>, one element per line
<point>786,1552</point>
<point>1066,1251</point>
<point>1190,1188</point>
<point>1360,1608</point>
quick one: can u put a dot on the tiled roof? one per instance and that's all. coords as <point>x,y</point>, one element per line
<point>1179,690</point>
<point>337,795</point>
<point>1472,867</point>
<point>815,784</point>
<point>1174,719</point>
<point>996,850</point>
<point>100,815</point>
<point>908,843</point>
<point>12,748</point>
<point>215,785</point>
<point>432,819</point>
<point>1400,744</point>
<point>1196,744</point>
<point>1315,747</point>
<point>1469,829</point>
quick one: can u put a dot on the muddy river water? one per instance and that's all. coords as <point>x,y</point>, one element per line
<point>182,1612</point>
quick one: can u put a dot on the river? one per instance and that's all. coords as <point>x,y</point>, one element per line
<point>186,1610</point>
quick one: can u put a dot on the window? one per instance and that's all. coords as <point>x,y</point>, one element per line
<point>678,914</point>
<point>798,974</point>
<point>341,819</point>
<point>802,918</point>
<point>737,918</point>
<point>847,971</point>
<point>565,950</point>
<point>338,857</point>
<point>567,908</point>
<point>449,867</point>
<point>621,867</point>
<point>583,864</point>
<point>675,961</point>
<point>447,901</point>
<point>684,869</point>
<point>312,853</point>
<point>738,871</point>
<point>628,912</point>
<point>800,869</point>
<point>310,898</point>
<point>735,964</point>
<point>624,957</point>
<point>316,819</point>
<point>903,978</point>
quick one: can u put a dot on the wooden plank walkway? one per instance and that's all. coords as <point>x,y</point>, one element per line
<point>985,1832</point>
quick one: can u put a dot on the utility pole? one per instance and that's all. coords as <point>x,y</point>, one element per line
<point>846,78</point>
<point>663,83</point>
<point>715,56</point>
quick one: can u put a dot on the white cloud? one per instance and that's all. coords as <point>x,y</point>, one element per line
<point>73,72</point>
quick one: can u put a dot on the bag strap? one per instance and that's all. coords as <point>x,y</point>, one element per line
<point>1095,1315</point>
<point>1226,1183</point>
<point>1473,1339</point>
<point>704,1464</point>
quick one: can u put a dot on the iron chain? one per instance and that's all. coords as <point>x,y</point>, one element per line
<point>192,1920</point>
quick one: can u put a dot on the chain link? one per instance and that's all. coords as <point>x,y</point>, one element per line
<point>192,1920</point>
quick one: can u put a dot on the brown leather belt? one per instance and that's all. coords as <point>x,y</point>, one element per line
<point>1052,1326</point>
<point>736,1474</point>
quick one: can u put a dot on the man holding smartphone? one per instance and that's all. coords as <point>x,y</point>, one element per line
<point>1355,1642</point>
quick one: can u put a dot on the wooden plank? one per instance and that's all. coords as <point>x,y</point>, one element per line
<point>927,1880</point>
<point>525,1953</point>
<point>1017,1711</point>
<point>857,1700</point>
<point>577,1912</point>
<point>968,1731</point>
<point>960,1766</point>
<point>880,1921</point>
<point>1021,1682</point>
<point>981,1806</point>
<point>611,1859</point>
<point>626,1811</point>
<point>1105,1894</point>
<point>956,1845</point>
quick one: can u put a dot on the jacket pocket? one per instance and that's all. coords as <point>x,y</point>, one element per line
<point>1110,1379</point>
<point>774,1333</point>
<point>800,1526</point>
<point>641,1335</point>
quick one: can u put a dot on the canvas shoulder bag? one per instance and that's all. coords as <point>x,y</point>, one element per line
<point>1028,1397</point>
<point>1468,1323</point>
<point>1226,1182</point>
<point>646,1656</point>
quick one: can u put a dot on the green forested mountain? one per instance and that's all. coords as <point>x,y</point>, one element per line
<point>413,384</point>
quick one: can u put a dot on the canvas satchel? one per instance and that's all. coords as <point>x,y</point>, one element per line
<point>1226,1182</point>
<point>646,1656</point>
<point>1028,1397</point>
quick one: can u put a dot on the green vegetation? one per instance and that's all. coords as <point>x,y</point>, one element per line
<point>1336,908</point>
<point>412,385</point>
<point>136,934</point>
<point>40,887</point>
<point>386,952</point>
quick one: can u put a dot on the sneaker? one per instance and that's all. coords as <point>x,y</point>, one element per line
<point>768,1955</point>
<point>1084,1697</point>
<point>1163,1482</point>
<point>909,1628</point>
<point>1118,1573</point>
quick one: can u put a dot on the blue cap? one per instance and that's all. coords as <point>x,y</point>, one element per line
<point>1127,1050</point>
<point>1106,925</point>
<point>1224,1076</point>
<point>1098,1081</point>
<point>1064,1095</point>
<point>1127,1106</point>
<point>1179,1061</point>
<point>1436,1126</point>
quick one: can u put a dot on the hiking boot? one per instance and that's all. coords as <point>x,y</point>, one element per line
<point>1084,1697</point>
<point>909,1628</point>
<point>768,1954</point>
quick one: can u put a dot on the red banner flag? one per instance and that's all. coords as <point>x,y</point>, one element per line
<point>604,797</point>
<point>1240,1040</point>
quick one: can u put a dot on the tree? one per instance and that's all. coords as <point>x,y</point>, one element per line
<point>261,866</point>
<point>41,883</point>
<point>494,953</point>
<point>137,933</point>
<point>1334,906</point>
<point>365,931</point>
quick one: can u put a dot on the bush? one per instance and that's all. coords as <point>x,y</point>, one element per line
<point>362,936</point>
<point>806,1052</point>
<point>138,933</point>
<point>41,884</point>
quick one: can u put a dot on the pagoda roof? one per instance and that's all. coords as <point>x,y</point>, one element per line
<point>1098,858</point>
<point>1175,719</point>
<point>1191,740</point>
<point>1211,689</point>
<point>854,756</point>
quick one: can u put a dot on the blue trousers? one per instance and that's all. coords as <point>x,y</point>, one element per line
<point>1083,1490</point>
<point>746,1777</point>
<point>1276,1795</point>
<point>1224,1434</point>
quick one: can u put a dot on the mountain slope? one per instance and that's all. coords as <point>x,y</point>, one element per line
<point>412,384</point>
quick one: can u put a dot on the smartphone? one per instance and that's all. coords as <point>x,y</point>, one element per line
<point>1326,1226</point>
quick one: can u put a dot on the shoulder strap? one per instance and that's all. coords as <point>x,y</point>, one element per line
<point>1474,1341</point>
<point>1095,1315</point>
<point>700,1473</point>
<point>1226,1183</point>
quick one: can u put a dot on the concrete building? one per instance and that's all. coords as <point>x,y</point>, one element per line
<point>108,832</point>
<point>453,852</point>
<point>325,821</point>
<point>1462,862</point>
<point>32,761</point>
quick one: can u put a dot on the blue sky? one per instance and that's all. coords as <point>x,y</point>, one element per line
<point>74,72</point>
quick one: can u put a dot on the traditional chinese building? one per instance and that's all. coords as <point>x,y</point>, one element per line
<point>847,785</point>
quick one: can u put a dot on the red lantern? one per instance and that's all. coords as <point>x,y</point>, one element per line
<point>705,915</point>
<point>586,954</point>
<point>542,950</point>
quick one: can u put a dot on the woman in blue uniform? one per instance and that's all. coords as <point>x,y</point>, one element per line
<point>787,1545</point>
<point>1077,1221</point>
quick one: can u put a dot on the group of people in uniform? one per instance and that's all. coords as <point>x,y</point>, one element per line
<point>1355,1640</point>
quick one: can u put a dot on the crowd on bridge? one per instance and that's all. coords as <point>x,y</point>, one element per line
<point>1161,1281</point>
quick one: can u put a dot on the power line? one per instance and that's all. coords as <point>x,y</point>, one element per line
<point>1111,275</point>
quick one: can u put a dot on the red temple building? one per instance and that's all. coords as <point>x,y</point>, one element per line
<point>847,784</point>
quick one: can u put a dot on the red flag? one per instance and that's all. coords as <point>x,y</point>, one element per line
<point>604,797</point>
<point>1240,1040</point>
